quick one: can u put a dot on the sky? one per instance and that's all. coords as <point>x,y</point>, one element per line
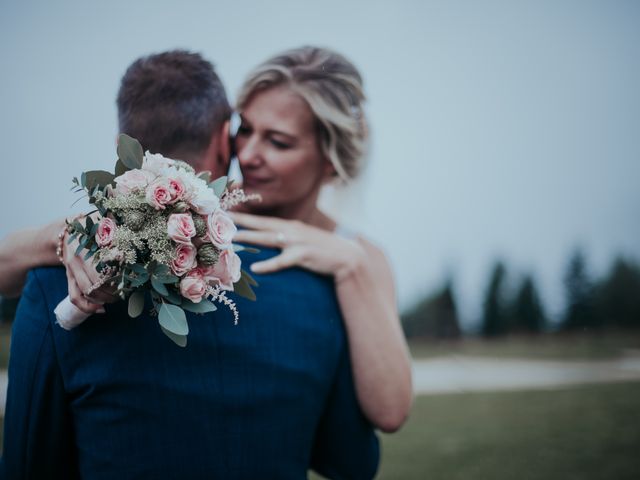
<point>500,129</point>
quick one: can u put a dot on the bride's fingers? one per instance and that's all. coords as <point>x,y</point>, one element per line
<point>75,295</point>
<point>266,239</point>
<point>279,262</point>
<point>256,222</point>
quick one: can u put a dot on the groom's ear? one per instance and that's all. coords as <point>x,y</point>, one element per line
<point>224,151</point>
<point>217,158</point>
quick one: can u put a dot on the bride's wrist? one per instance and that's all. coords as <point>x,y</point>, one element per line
<point>353,264</point>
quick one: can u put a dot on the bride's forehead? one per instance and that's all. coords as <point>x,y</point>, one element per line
<point>278,105</point>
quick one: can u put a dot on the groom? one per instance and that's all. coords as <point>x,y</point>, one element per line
<point>115,398</point>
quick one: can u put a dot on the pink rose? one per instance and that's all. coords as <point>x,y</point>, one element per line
<point>158,194</point>
<point>177,189</point>
<point>133,180</point>
<point>106,231</point>
<point>226,271</point>
<point>184,259</point>
<point>180,227</point>
<point>221,229</point>
<point>193,286</point>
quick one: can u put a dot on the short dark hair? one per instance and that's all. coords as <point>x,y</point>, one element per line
<point>172,102</point>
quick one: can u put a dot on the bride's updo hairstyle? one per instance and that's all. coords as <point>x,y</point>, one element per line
<point>332,87</point>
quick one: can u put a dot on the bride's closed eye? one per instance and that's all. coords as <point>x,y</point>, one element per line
<point>280,145</point>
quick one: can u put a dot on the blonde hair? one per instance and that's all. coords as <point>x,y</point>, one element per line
<point>332,87</point>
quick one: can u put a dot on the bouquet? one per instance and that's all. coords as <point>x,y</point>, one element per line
<point>158,228</point>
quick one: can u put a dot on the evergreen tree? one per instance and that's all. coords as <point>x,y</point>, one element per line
<point>580,293</point>
<point>495,319</point>
<point>435,316</point>
<point>619,295</point>
<point>527,311</point>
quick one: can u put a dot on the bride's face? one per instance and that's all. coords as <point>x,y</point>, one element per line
<point>278,150</point>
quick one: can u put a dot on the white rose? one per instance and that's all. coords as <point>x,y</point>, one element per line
<point>156,163</point>
<point>133,180</point>
<point>203,200</point>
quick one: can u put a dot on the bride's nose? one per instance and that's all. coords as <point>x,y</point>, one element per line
<point>249,154</point>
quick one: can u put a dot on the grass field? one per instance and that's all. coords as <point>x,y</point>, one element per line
<point>579,433</point>
<point>586,433</point>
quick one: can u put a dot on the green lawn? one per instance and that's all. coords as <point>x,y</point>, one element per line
<point>580,433</point>
<point>586,433</point>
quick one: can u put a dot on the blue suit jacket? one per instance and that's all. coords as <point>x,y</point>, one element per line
<point>115,398</point>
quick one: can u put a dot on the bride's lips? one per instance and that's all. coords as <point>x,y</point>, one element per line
<point>254,181</point>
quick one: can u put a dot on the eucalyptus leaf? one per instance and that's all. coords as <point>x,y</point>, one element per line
<point>77,226</point>
<point>173,297</point>
<point>173,319</point>
<point>138,268</point>
<point>218,186</point>
<point>248,278</point>
<point>242,248</point>
<point>161,270</point>
<point>242,288</point>
<point>97,178</point>
<point>159,287</point>
<point>130,151</point>
<point>83,179</point>
<point>166,278</point>
<point>120,168</point>
<point>136,303</point>
<point>180,340</point>
<point>205,175</point>
<point>204,306</point>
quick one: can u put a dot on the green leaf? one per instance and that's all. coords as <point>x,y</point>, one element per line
<point>83,179</point>
<point>173,319</point>
<point>205,175</point>
<point>248,278</point>
<point>89,254</point>
<point>161,270</point>
<point>242,288</point>
<point>218,186</point>
<point>138,268</point>
<point>120,168</point>
<point>136,303</point>
<point>130,151</point>
<point>166,278</point>
<point>97,178</point>
<point>180,340</point>
<point>159,287</point>
<point>241,248</point>
<point>204,306</point>
<point>173,297</point>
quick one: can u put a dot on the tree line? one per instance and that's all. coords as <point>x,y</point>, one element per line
<point>612,301</point>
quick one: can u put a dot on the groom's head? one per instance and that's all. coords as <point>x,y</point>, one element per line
<point>175,104</point>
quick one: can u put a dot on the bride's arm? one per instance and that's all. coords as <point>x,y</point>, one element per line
<point>38,247</point>
<point>23,250</point>
<point>379,353</point>
<point>364,286</point>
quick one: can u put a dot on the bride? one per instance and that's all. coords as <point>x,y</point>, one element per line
<point>302,125</point>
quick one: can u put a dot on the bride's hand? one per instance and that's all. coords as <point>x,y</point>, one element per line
<point>82,276</point>
<point>302,245</point>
